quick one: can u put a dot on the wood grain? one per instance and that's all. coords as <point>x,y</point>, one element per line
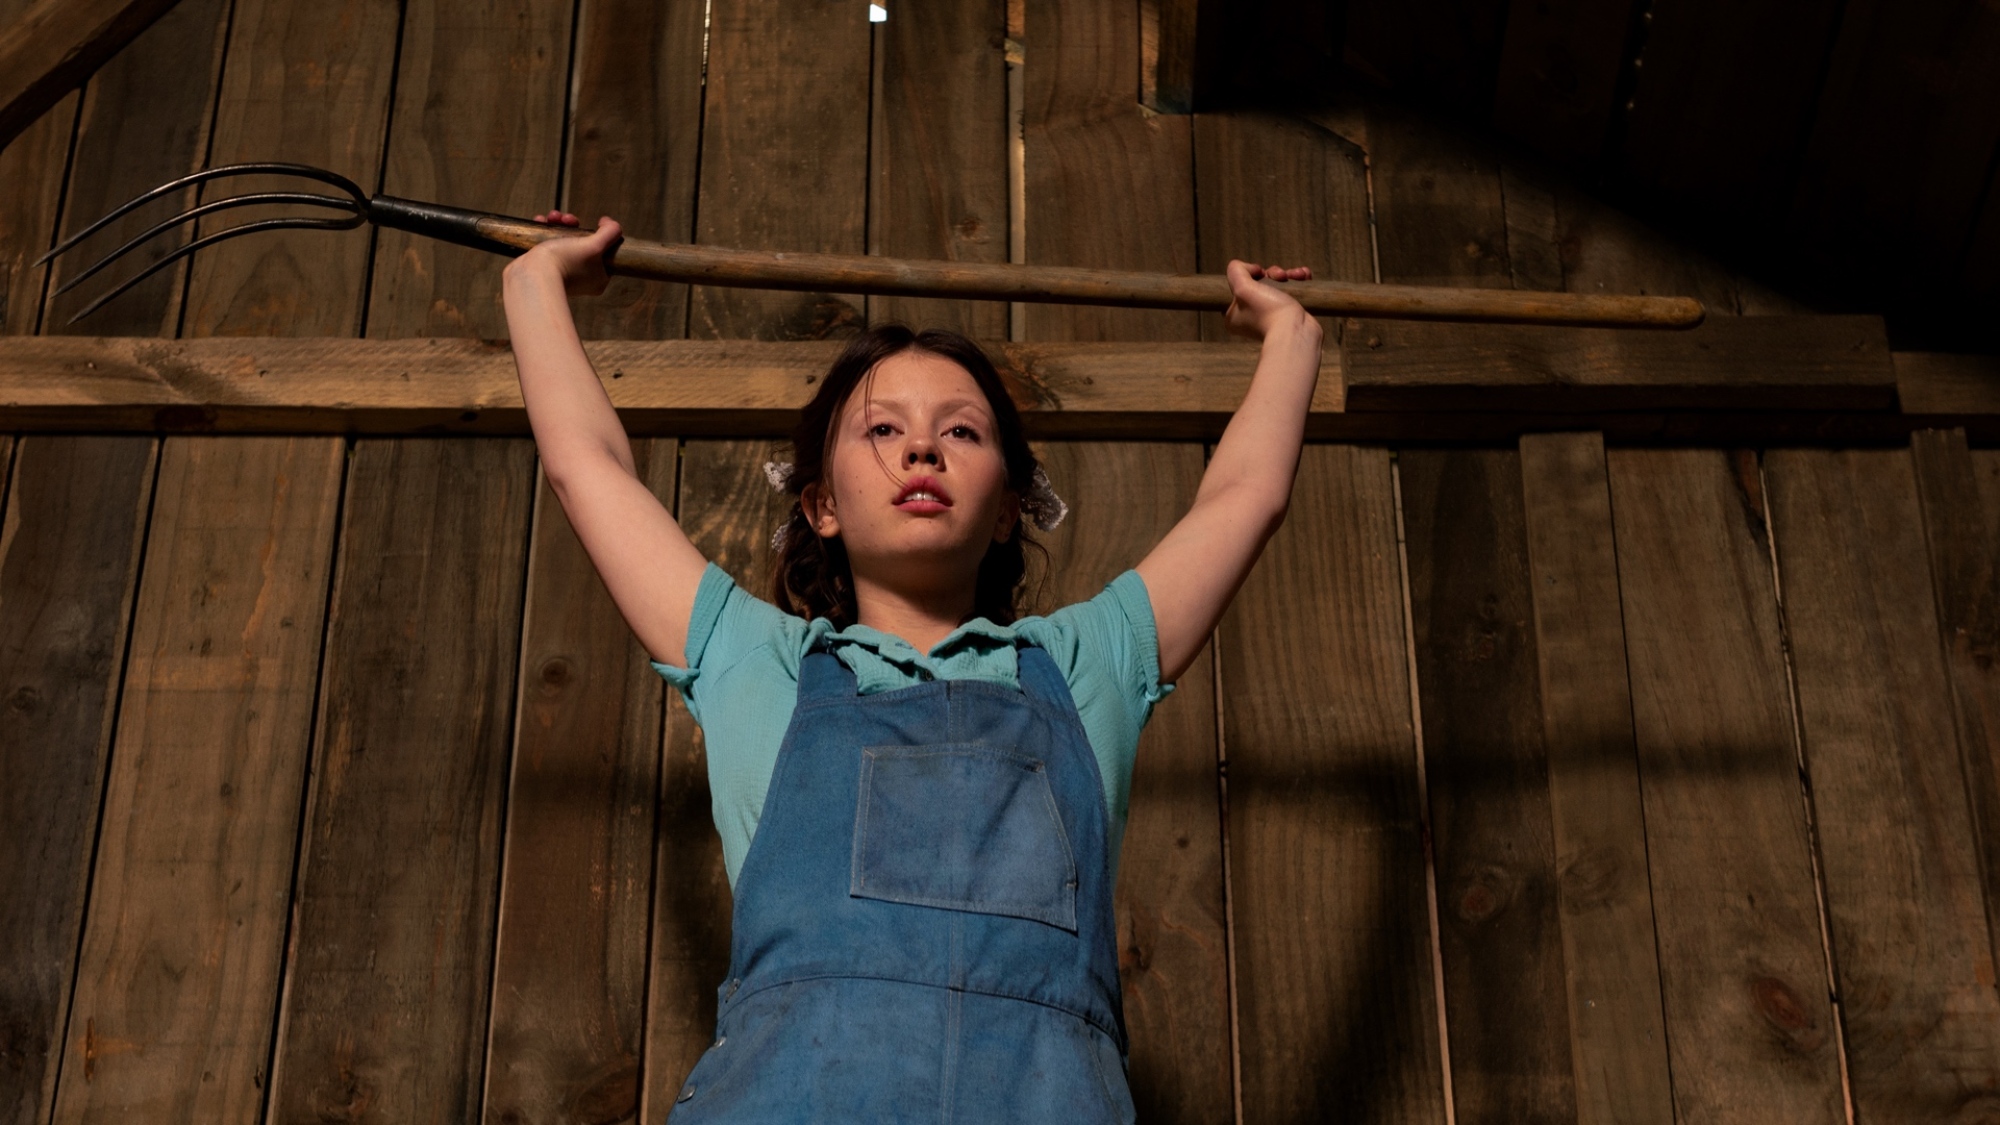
<point>1440,217</point>
<point>478,121</point>
<point>1172,952</point>
<point>71,533</point>
<point>635,133</point>
<point>1744,978</point>
<point>1903,888</point>
<point>1607,250</point>
<point>385,1004</point>
<point>53,46</point>
<point>146,119</point>
<point>1337,1013</point>
<point>1618,1044</point>
<point>569,979</point>
<point>177,984</point>
<point>1486,765</point>
<point>784,162</point>
<point>938,146</point>
<point>1280,190</point>
<point>729,510</point>
<point>1942,383</point>
<point>307,83</point>
<point>32,167</point>
<point>1745,363</point>
<point>1960,493</point>
<point>1109,186</point>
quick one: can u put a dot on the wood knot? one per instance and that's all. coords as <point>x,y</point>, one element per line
<point>1485,894</point>
<point>555,674</point>
<point>25,699</point>
<point>1786,1012</point>
<point>1591,878</point>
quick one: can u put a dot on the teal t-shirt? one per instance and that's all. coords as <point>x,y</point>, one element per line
<point>742,682</point>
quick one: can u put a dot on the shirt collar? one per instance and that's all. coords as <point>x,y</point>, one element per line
<point>978,633</point>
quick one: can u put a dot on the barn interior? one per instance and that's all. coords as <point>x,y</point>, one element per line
<point>1611,734</point>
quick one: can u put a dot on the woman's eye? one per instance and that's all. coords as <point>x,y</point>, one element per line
<point>881,429</point>
<point>966,433</point>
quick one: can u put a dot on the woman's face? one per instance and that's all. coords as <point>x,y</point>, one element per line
<point>917,480</point>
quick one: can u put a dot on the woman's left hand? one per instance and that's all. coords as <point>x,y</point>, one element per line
<point>1258,309</point>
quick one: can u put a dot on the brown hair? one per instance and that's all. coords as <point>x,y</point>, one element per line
<point>812,577</point>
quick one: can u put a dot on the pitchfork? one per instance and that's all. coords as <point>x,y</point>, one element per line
<point>839,273</point>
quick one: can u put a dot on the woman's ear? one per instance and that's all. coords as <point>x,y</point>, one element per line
<point>1010,518</point>
<point>817,504</point>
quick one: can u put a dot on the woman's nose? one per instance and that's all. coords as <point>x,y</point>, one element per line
<point>920,453</point>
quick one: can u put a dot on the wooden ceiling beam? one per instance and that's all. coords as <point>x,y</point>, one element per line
<point>56,45</point>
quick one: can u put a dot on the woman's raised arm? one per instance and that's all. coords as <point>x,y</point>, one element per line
<point>646,561</point>
<point>1194,572</point>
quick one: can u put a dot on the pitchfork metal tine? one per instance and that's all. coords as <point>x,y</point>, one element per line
<point>270,168</point>
<point>305,198</point>
<point>218,236</point>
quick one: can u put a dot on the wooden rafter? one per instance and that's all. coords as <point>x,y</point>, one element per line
<point>56,45</point>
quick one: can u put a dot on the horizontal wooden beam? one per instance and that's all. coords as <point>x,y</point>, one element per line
<point>1728,363</point>
<point>1405,387</point>
<point>340,385</point>
<point>55,45</point>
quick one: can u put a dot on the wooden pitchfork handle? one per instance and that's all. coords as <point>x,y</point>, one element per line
<point>996,281</point>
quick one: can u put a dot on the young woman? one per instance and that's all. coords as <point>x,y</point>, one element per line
<point>920,794</point>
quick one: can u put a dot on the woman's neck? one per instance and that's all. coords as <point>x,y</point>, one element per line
<point>922,618</point>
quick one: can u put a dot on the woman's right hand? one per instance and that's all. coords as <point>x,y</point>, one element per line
<point>579,261</point>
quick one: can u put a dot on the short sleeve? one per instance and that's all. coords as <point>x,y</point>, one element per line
<point>726,625</point>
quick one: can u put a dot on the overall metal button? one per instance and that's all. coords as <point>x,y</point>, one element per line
<point>721,1039</point>
<point>687,1093</point>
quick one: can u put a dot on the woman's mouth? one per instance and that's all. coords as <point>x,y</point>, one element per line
<point>922,496</point>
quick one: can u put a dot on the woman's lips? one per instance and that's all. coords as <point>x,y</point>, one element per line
<point>922,496</point>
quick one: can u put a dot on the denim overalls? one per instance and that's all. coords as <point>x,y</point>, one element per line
<point>923,927</point>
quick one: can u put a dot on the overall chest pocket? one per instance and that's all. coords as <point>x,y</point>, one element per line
<point>963,827</point>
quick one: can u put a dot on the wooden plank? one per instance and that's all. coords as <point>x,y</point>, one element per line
<point>177,985</point>
<point>70,538</point>
<point>635,132</point>
<point>1960,493</point>
<point>1172,950</point>
<point>1108,184</point>
<point>938,185</point>
<point>145,119</point>
<point>1172,49</point>
<point>1618,1045</point>
<point>1915,83</point>
<point>49,49</point>
<point>784,158</point>
<point>1440,216</point>
<point>1941,383</point>
<point>32,166</point>
<point>1277,189</point>
<point>1332,938</point>
<point>729,510</point>
<point>478,123</point>
<point>1558,76</point>
<point>1606,250</point>
<point>412,385</point>
<point>308,84</point>
<point>1744,978</point>
<point>386,992</point>
<point>1747,363</point>
<point>569,979</point>
<point>1720,90</point>
<point>1487,772</point>
<point>1903,893</point>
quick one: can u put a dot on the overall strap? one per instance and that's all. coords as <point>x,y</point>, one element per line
<point>823,676</point>
<point>1040,678</point>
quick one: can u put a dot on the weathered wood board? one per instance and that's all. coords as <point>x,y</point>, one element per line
<point>1617,1042</point>
<point>1903,895</point>
<point>177,985</point>
<point>1744,981</point>
<point>71,535</point>
<point>1336,1006</point>
<point>386,991</point>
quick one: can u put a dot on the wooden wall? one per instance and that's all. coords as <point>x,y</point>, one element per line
<point>1525,782</point>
